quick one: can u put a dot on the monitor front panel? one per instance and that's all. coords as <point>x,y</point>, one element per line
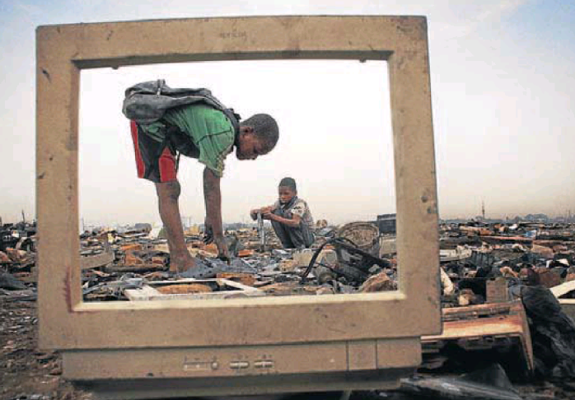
<point>67,323</point>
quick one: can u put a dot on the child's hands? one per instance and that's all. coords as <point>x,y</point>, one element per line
<point>263,211</point>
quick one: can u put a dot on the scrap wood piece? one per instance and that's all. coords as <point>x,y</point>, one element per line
<point>162,247</point>
<point>263,282</point>
<point>135,268</point>
<point>18,295</point>
<point>378,283</point>
<point>155,276</point>
<point>131,258</point>
<point>131,247</point>
<point>325,290</point>
<point>476,230</point>
<point>99,273</point>
<point>280,289</point>
<point>514,239</point>
<point>567,304</point>
<point>243,278</point>
<point>290,288</point>
<point>246,253</point>
<point>184,288</point>
<point>563,289</point>
<point>231,290</point>
<point>99,260</point>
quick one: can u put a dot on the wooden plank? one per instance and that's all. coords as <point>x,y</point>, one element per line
<point>149,293</point>
<point>141,294</point>
<point>563,289</point>
<point>96,261</point>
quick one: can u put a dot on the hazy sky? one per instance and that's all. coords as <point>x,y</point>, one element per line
<point>502,84</point>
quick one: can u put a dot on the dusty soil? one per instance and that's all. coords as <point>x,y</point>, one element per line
<point>27,373</point>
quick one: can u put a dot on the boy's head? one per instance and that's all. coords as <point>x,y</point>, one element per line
<point>258,136</point>
<point>287,190</point>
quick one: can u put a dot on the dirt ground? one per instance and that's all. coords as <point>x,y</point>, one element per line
<point>27,373</point>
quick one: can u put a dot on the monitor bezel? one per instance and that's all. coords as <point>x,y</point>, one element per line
<point>64,50</point>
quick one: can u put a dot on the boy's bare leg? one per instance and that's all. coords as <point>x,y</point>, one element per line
<point>168,194</point>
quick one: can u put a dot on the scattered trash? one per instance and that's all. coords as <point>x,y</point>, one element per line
<point>191,289</point>
<point>477,334</point>
<point>552,331</point>
<point>490,383</point>
<point>7,281</point>
<point>508,290</point>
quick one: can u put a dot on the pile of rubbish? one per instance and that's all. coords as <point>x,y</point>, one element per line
<point>135,265</point>
<point>341,261</point>
<point>17,255</point>
<point>507,288</point>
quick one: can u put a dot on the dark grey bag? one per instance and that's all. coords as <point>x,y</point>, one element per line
<point>147,102</point>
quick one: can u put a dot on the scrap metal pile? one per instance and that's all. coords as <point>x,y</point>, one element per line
<point>341,261</point>
<point>508,289</point>
<point>116,264</point>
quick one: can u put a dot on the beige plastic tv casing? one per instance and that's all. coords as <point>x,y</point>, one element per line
<point>239,346</point>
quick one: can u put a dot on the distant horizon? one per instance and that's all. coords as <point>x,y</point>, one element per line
<point>157,223</point>
<point>501,76</point>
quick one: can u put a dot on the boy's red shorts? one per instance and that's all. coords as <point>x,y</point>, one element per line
<point>152,162</point>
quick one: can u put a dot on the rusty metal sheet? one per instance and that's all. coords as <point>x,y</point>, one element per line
<point>484,326</point>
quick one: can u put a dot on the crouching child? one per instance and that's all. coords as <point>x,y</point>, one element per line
<point>290,217</point>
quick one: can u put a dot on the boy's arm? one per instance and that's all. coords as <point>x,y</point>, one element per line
<point>263,210</point>
<point>213,200</point>
<point>294,221</point>
<point>296,212</point>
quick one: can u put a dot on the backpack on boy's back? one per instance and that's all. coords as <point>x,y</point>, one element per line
<point>147,102</point>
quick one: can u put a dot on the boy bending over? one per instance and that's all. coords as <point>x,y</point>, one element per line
<point>205,133</point>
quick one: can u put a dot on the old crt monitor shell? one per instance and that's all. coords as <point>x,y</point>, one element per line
<point>239,346</point>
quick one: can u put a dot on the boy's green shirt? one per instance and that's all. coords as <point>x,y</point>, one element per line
<point>209,129</point>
